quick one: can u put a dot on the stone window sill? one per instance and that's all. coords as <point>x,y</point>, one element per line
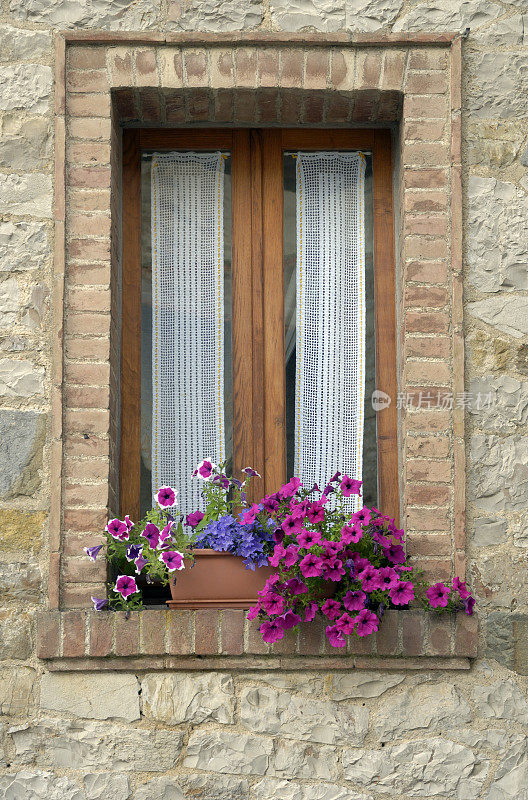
<point>212,639</point>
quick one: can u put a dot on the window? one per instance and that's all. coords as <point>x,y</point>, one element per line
<point>259,296</point>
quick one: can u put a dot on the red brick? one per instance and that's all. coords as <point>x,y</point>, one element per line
<point>89,128</point>
<point>466,635</point>
<point>338,108</point>
<point>101,633</point>
<point>358,646</point>
<point>341,68</point>
<point>428,347</point>
<point>425,519</point>
<point>76,445</point>
<point>84,519</point>
<point>435,570</point>
<point>206,623</point>
<point>368,68</point>
<point>433,446</point>
<point>89,177</point>
<point>314,108</point>
<point>393,67</point>
<point>78,595</point>
<point>316,69</point>
<point>86,469</point>
<point>426,322</point>
<point>431,471</point>
<point>287,646</point>
<point>413,633</point>
<point>198,105</point>
<point>428,59</point>
<point>429,372</point>
<point>150,105</point>
<point>246,66</point>
<point>79,324</point>
<point>425,420</point>
<point>195,67</point>
<point>312,637</point>
<point>146,68</point>
<point>426,272</point>
<point>48,634</point>
<point>424,130</point>
<point>86,396</point>
<point>180,633</point>
<point>89,225</point>
<point>425,178</point>
<point>387,635</point>
<point>74,543</point>
<point>127,634</point>
<point>416,107</point>
<point>89,105</point>
<point>425,154</point>
<point>425,544</point>
<point>87,57</point>
<point>86,422</point>
<point>153,624</point>
<point>93,494</point>
<point>88,199</point>
<point>233,631</point>
<point>87,374</point>
<point>267,104</point>
<point>439,634</point>
<point>292,68</point>
<point>425,296</point>
<point>419,495</point>
<point>245,105</point>
<point>87,80</point>
<point>426,82</point>
<point>73,634</point>
<point>426,224</point>
<point>89,249</point>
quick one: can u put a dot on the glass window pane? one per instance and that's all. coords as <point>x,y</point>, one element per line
<point>146,329</point>
<point>370,469</point>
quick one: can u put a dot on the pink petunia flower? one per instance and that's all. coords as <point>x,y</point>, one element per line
<point>351,534</point>
<point>311,566</point>
<point>308,539</point>
<point>354,601</point>
<point>333,570</point>
<point>362,516</point>
<point>335,636</point>
<point>270,503</point>
<point>316,513</point>
<point>129,523</point>
<point>151,533</point>
<point>165,534</point>
<point>253,612</point>
<point>345,624</point>
<point>271,631</point>
<point>366,623</point>
<point>173,560</point>
<point>469,602</point>
<point>331,608</point>
<point>288,620</point>
<point>395,554</point>
<point>350,486</point>
<point>118,529</point>
<point>166,497</point>
<point>460,587</point>
<point>292,525</point>
<point>294,586</point>
<point>369,577</point>
<point>438,595</point>
<point>291,556</point>
<point>402,593</point>
<point>310,612</point>
<point>194,518</point>
<point>289,489</point>
<point>272,603</point>
<point>204,469</point>
<point>125,586</point>
<point>278,554</point>
<point>140,562</point>
<point>388,578</point>
<point>248,517</point>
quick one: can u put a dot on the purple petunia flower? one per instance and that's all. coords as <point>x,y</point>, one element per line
<point>133,551</point>
<point>129,523</point>
<point>93,552</point>
<point>125,586</point>
<point>173,560</point>
<point>388,578</point>
<point>351,534</point>
<point>460,587</point>
<point>438,595</point>
<point>140,563</point>
<point>253,612</point>
<point>395,554</point>
<point>294,586</point>
<point>251,473</point>
<point>354,601</point>
<point>335,636</point>
<point>310,611</point>
<point>204,469</point>
<point>362,516</point>
<point>292,525</point>
<point>195,518</point>
<point>248,517</point>
<point>151,533</point>
<point>311,566</point>
<point>331,608</point>
<point>165,534</point>
<point>99,603</point>
<point>369,577</point>
<point>469,602</point>
<point>272,603</point>
<point>166,497</point>
<point>316,513</point>
<point>271,631</point>
<point>333,569</point>
<point>350,486</point>
<point>291,556</point>
<point>118,529</point>
<point>366,623</point>
<point>402,594</point>
<point>345,623</point>
<point>288,620</point>
<point>289,489</point>
<point>270,503</point>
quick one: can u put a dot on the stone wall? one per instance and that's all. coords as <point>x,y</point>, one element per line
<point>317,735</point>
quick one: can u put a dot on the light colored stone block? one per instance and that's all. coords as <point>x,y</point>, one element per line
<point>92,696</point>
<point>237,753</point>
<point>176,698</point>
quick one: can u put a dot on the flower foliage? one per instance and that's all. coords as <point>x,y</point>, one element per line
<point>347,567</point>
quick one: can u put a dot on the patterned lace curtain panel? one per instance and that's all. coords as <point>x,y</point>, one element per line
<point>187,319</point>
<point>330,325</point>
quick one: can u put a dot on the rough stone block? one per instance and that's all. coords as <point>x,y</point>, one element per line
<point>173,699</point>
<point>91,696</point>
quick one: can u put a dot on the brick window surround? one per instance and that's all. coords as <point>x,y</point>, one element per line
<point>410,83</point>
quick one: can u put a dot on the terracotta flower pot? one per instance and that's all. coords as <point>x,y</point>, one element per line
<point>217,580</point>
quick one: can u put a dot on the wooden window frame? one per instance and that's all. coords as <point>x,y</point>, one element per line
<point>259,427</point>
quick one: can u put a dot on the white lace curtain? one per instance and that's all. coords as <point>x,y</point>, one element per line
<point>330,318</point>
<point>187,319</point>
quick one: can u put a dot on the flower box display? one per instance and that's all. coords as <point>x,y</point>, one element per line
<point>298,553</point>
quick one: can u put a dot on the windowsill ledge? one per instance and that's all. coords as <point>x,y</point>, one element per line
<point>211,639</point>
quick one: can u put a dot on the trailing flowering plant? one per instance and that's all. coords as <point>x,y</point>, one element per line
<point>163,543</point>
<point>350,567</point>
